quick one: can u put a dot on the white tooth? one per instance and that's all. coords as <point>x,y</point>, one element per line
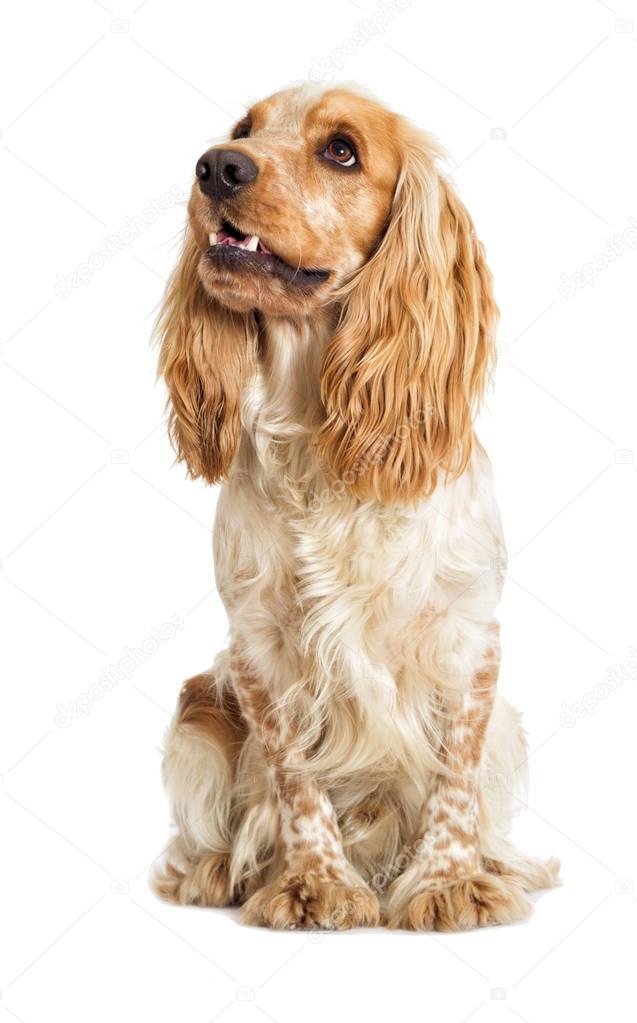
<point>212,237</point>
<point>252,243</point>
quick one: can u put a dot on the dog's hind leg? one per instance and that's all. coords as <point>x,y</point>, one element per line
<point>503,793</point>
<point>203,743</point>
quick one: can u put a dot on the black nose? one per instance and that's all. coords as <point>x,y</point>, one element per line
<point>222,172</point>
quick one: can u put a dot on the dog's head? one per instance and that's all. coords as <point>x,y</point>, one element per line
<point>326,199</point>
<point>286,210</point>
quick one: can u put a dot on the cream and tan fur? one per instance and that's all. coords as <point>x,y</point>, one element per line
<point>347,759</point>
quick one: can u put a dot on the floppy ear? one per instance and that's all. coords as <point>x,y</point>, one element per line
<point>406,368</point>
<point>207,355</point>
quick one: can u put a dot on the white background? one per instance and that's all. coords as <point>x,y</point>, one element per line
<point>104,541</point>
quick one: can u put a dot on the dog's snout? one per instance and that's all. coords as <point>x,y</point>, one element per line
<point>222,172</point>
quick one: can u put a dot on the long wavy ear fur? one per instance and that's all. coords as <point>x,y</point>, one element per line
<point>206,357</point>
<point>409,361</point>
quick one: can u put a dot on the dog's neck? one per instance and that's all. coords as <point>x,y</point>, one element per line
<point>287,395</point>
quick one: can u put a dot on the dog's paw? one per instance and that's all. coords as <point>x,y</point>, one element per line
<point>476,901</point>
<point>306,901</point>
<point>204,883</point>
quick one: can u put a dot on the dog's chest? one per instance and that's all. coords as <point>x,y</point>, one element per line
<point>353,571</point>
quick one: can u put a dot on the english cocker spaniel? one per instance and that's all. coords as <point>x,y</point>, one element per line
<point>326,338</point>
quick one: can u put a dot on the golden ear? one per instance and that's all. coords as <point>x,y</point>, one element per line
<point>206,357</point>
<point>409,361</point>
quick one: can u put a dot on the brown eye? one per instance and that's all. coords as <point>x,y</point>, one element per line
<point>242,131</point>
<point>340,151</point>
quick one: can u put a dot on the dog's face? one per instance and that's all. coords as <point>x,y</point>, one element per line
<point>295,202</point>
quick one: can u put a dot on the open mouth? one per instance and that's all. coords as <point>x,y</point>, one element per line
<point>247,252</point>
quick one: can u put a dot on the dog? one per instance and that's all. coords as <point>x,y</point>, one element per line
<point>326,339</point>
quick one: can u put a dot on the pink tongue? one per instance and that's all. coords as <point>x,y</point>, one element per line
<point>223,238</point>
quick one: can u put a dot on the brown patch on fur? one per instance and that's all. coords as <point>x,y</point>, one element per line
<point>305,803</point>
<point>283,603</point>
<point>220,717</point>
<point>470,714</point>
<point>463,837</point>
<point>256,706</point>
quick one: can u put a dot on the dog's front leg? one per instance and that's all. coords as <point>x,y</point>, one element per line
<point>312,883</point>
<point>446,884</point>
